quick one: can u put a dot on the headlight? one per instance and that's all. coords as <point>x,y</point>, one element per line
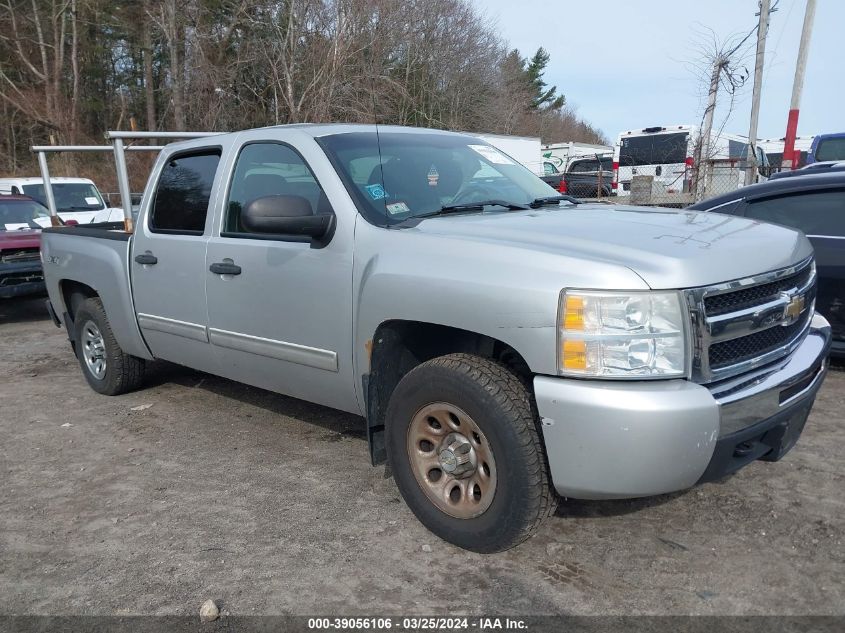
<point>621,335</point>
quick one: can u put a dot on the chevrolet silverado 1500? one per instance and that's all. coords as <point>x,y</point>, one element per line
<point>504,345</point>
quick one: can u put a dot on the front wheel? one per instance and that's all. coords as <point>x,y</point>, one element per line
<point>464,448</point>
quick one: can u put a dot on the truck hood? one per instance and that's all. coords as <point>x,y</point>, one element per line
<point>666,247</point>
<point>25,238</point>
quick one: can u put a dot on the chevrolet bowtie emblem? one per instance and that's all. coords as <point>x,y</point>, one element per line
<point>793,308</point>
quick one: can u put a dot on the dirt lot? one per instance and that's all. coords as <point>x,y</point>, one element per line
<point>269,505</point>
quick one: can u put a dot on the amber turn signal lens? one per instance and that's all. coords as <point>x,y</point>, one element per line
<point>573,313</point>
<point>575,355</point>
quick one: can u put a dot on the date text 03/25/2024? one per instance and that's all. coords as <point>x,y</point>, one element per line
<point>416,624</point>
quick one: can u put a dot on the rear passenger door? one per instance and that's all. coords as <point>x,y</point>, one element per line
<point>168,259</point>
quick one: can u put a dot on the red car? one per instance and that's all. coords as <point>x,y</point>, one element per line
<point>20,242</point>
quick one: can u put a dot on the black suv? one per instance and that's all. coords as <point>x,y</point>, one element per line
<point>815,204</point>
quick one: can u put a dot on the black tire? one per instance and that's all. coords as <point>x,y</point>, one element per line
<point>122,372</point>
<point>502,407</point>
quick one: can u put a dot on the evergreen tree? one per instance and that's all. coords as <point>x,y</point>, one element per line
<point>543,98</point>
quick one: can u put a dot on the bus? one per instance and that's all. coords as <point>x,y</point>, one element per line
<point>664,152</point>
<point>680,175</point>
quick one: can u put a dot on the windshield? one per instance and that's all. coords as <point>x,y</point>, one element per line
<point>831,149</point>
<point>414,174</point>
<point>70,196</point>
<point>20,214</point>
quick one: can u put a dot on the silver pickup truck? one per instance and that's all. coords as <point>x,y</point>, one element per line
<point>504,344</point>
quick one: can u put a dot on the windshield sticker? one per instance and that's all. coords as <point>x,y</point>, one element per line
<point>395,208</point>
<point>376,192</point>
<point>492,154</point>
<point>433,176</point>
<point>92,200</point>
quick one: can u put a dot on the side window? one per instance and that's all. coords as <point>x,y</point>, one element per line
<point>271,169</point>
<point>817,213</point>
<point>549,169</point>
<point>182,194</point>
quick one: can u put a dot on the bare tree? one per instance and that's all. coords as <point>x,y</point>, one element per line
<point>73,68</point>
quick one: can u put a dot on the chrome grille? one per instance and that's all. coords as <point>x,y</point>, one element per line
<point>739,349</point>
<point>740,299</point>
<point>743,324</point>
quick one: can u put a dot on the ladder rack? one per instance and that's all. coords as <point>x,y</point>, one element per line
<point>117,147</point>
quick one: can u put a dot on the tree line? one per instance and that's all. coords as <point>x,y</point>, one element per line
<point>71,69</point>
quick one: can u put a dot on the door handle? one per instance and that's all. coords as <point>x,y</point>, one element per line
<point>148,259</point>
<point>224,268</point>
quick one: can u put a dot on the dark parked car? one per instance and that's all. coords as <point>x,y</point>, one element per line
<point>815,204</point>
<point>812,168</point>
<point>827,147</point>
<point>585,177</point>
<point>20,241</point>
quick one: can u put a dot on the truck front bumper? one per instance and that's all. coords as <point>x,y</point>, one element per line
<point>21,278</point>
<point>612,440</point>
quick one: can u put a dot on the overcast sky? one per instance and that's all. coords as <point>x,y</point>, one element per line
<point>624,64</point>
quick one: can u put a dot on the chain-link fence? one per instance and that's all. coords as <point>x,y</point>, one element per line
<point>662,185</point>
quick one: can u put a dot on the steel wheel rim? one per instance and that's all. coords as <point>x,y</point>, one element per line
<point>94,350</point>
<point>463,487</point>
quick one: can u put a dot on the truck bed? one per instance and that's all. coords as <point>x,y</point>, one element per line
<point>95,257</point>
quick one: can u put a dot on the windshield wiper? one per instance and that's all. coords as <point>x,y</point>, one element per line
<point>541,202</point>
<point>79,207</point>
<point>472,206</point>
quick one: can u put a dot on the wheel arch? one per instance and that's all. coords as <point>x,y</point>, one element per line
<point>73,294</point>
<point>118,305</point>
<point>400,345</point>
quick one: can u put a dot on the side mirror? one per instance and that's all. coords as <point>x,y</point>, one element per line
<point>287,215</point>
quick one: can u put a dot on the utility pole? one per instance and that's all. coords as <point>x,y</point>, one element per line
<point>797,86</point>
<point>703,161</point>
<point>762,30</point>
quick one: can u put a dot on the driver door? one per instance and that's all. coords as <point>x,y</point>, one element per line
<point>280,317</point>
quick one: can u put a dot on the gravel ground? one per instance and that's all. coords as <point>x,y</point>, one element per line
<point>196,487</point>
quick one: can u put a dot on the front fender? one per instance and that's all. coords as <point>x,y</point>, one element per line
<point>505,292</point>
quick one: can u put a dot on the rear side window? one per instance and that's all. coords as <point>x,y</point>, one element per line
<point>182,196</point>
<point>815,213</point>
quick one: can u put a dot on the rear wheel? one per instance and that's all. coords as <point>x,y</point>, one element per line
<point>466,453</point>
<point>106,367</point>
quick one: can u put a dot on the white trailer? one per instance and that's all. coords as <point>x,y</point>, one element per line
<point>561,154</point>
<point>523,149</point>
